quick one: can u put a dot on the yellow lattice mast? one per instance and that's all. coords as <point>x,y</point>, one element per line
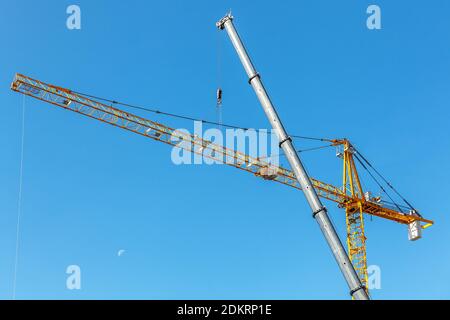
<point>351,186</point>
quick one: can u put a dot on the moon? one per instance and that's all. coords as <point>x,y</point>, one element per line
<point>120,252</point>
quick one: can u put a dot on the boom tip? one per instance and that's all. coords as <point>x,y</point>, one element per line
<point>221,23</point>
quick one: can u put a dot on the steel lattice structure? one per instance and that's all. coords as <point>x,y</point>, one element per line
<point>350,196</point>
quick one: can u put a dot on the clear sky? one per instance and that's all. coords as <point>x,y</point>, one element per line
<point>212,232</point>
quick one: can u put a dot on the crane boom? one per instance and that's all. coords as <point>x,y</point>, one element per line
<point>320,214</point>
<point>75,102</point>
<point>353,202</point>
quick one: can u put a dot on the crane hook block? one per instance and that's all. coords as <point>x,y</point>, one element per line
<point>219,96</point>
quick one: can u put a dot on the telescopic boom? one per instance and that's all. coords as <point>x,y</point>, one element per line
<point>357,290</point>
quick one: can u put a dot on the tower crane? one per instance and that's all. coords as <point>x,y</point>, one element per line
<point>350,196</point>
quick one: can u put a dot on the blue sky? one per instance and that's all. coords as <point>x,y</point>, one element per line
<point>212,232</point>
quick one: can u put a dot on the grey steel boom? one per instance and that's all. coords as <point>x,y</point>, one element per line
<point>357,291</point>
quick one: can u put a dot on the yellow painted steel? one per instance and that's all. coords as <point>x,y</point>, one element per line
<point>356,239</point>
<point>69,100</point>
<point>350,196</point>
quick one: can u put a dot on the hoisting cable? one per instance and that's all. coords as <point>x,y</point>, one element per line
<point>391,204</point>
<point>173,115</point>
<point>387,182</point>
<point>219,79</point>
<point>377,182</point>
<point>19,202</point>
<point>315,148</point>
<point>300,151</point>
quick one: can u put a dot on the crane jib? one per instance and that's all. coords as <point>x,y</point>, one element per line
<point>68,100</point>
<point>87,106</point>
